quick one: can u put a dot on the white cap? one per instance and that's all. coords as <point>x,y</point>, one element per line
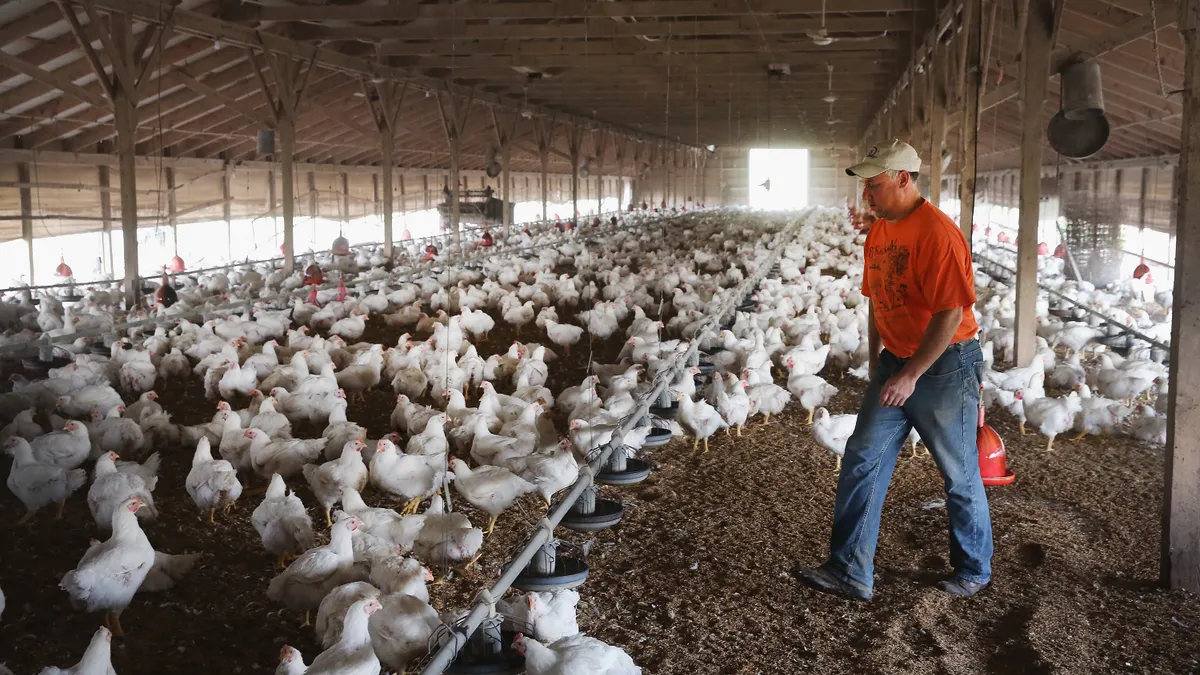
<point>894,156</point>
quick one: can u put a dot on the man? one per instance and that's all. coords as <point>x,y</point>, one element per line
<point>925,373</point>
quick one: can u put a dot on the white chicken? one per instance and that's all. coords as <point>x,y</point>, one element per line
<point>317,571</point>
<point>97,659</point>
<point>350,328</point>
<point>1052,416</point>
<point>699,418</point>
<point>548,471</point>
<point>329,479</point>
<point>549,615</point>
<point>282,522</point>
<point>353,653</point>
<point>520,315</point>
<point>574,655</point>
<point>446,537</point>
<point>285,457</point>
<point>237,381</point>
<point>564,335</point>
<point>401,629</point>
<point>832,432</point>
<point>111,488</point>
<point>37,484</point>
<point>212,483</point>
<point>332,611</point>
<point>67,449</point>
<point>413,477</point>
<point>490,488</point>
<point>109,574</point>
<point>734,406</point>
<point>812,391</point>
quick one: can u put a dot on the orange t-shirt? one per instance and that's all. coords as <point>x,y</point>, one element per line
<point>914,269</point>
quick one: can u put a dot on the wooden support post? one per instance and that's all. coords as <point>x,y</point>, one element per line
<point>313,204</point>
<point>172,219</point>
<point>505,131</point>
<point>937,124</point>
<point>287,166</point>
<point>545,140</point>
<point>425,183</point>
<point>968,132</point>
<point>125,119</point>
<point>454,122</point>
<point>226,210</point>
<point>404,206</point>
<point>1035,74</point>
<point>1180,567</point>
<point>27,216</point>
<point>386,159</point>
<point>345,208</point>
<point>271,201</point>
<point>573,147</point>
<point>106,219</point>
<point>291,82</point>
<point>600,145</point>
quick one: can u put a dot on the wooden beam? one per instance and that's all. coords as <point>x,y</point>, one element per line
<point>53,79</point>
<point>1180,566</point>
<point>106,219</point>
<point>226,215</point>
<point>972,81</point>
<point>1035,76</point>
<point>574,141</point>
<point>27,217</point>
<point>84,40</point>
<point>573,9</point>
<point>197,23</point>
<point>228,101</point>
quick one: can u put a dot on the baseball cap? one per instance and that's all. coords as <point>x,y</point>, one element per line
<point>893,156</point>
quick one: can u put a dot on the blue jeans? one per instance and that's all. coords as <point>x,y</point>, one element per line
<point>944,408</point>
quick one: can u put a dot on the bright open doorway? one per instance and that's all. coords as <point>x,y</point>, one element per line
<point>787,171</point>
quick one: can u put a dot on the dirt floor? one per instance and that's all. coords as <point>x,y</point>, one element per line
<point>697,577</point>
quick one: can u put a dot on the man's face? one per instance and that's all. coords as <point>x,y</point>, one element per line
<point>883,193</point>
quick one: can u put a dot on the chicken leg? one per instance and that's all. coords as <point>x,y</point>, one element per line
<point>705,445</point>
<point>810,418</point>
<point>281,561</point>
<point>58,514</point>
<point>307,619</point>
<point>1022,426</point>
<point>739,431</point>
<point>838,468</point>
<point>1079,436</point>
<point>411,507</point>
<point>211,513</point>
<point>328,520</point>
<point>116,628</point>
<point>1050,444</point>
<point>491,525</point>
<point>766,419</point>
<point>695,445</point>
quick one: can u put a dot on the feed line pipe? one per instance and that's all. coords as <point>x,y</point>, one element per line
<point>31,347</point>
<point>1050,291</point>
<point>458,636</point>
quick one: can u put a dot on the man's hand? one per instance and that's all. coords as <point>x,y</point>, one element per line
<point>897,389</point>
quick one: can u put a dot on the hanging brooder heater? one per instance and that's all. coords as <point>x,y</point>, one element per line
<point>63,271</point>
<point>341,246</point>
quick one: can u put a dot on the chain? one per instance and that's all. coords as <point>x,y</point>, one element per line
<point>1162,86</point>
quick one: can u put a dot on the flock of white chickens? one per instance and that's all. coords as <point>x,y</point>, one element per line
<point>306,364</point>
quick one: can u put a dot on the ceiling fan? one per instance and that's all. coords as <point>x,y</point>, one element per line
<point>822,38</point>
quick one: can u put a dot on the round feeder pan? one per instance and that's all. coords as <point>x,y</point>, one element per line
<point>635,472</point>
<point>1006,479</point>
<point>507,662</point>
<point>713,350</point>
<point>34,364</point>
<point>607,514</point>
<point>71,297</point>
<point>706,368</point>
<point>658,436</point>
<point>669,412</point>
<point>568,573</point>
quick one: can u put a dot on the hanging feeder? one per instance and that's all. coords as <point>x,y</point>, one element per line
<point>993,461</point>
<point>549,571</point>
<point>341,294</point>
<point>590,513</point>
<point>1043,248</point>
<point>313,275</point>
<point>430,252</point>
<point>623,469</point>
<point>1002,238</point>
<point>486,239</point>
<point>63,271</point>
<point>176,265</point>
<point>1060,251</point>
<point>488,651</point>
<point>312,295</point>
<point>406,235</point>
<point>1142,270</point>
<point>341,246</point>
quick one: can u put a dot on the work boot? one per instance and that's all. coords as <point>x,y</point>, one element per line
<point>961,587</point>
<point>826,581</point>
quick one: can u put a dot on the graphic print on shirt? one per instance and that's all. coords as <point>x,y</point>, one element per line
<point>888,265</point>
